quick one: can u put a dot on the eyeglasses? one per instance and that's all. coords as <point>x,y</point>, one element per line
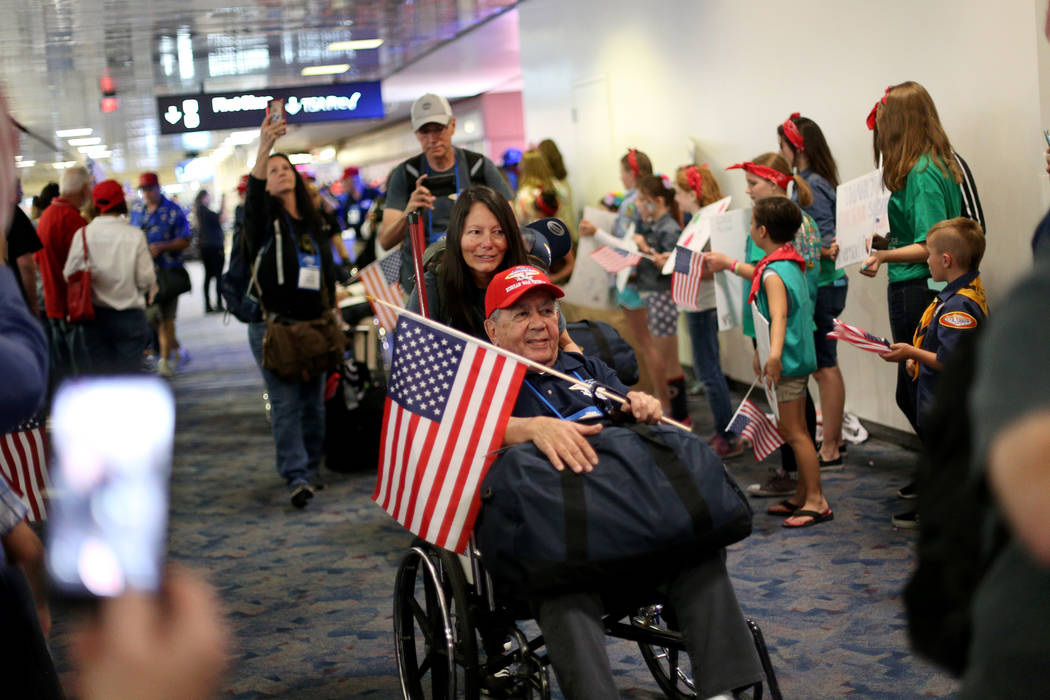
<point>431,129</point>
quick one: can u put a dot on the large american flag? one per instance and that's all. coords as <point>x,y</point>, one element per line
<point>615,259</point>
<point>447,407</point>
<point>752,422</point>
<point>858,337</point>
<point>685,279</point>
<point>23,464</point>
<point>381,282</point>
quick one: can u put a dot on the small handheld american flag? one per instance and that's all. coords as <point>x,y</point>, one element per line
<point>447,407</point>
<point>615,259</point>
<point>859,338</point>
<point>381,281</point>
<point>685,279</point>
<point>752,422</point>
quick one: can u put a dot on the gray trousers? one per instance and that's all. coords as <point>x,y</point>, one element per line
<point>720,646</point>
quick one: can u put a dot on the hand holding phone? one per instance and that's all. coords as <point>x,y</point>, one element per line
<point>108,527</point>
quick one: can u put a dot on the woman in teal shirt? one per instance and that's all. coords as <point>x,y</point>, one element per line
<point>919,168</point>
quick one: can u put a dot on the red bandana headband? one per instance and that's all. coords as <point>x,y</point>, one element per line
<point>871,115</point>
<point>766,173</point>
<point>696,181</point>
<point>632,160</point>
<point>791,132</point>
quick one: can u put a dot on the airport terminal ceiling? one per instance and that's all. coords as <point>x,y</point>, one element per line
<point>61,59</point>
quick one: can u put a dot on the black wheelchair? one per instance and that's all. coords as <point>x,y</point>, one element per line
<point>454,638</point>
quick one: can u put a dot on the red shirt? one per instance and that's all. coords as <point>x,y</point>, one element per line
<point>56,228</point>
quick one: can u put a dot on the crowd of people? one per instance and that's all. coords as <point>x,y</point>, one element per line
<point>479,229</point>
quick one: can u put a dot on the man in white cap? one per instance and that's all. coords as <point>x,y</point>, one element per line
<point>447,169</point>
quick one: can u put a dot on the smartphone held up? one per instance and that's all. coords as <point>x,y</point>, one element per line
<point>275,110</point>
<point>107,531</point>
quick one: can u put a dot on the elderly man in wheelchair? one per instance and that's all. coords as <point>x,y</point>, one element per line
<point>553,415</point>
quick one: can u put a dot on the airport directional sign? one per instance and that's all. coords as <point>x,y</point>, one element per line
<point>180,114</point>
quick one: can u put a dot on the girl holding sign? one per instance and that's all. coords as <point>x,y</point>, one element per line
<point>769,175</point>
<point>803,146</point>
<point>919,168</point>
<point>695,188</point>
<point>633,167</point>
<point>657,237</point>
<point>779,290</point>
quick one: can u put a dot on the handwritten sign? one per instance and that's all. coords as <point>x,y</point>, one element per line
<point>698,232</point>
<point>861,211</point>
<point>763,344</point>
<point>729,232</point>
<point>589,284</point>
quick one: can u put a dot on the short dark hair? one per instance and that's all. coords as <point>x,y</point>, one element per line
<point>780,216</point>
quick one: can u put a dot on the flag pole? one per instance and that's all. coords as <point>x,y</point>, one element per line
<point>748,394</point>
<point>539,367</point>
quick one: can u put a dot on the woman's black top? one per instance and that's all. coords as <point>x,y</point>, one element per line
<point>261,213</point>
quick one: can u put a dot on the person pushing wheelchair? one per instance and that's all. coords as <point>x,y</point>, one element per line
<point>522,316</point>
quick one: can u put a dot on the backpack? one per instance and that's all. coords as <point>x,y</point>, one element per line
<point>236,283</point>
<point>414,167</point>
<point>599,339</point>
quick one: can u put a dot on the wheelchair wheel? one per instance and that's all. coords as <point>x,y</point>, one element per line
<point>670,666</point>
<point>437,653</point>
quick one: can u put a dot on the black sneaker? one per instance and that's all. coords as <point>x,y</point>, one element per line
<point>301,495</point>
<point>909,492</point>
<point>907,521</point>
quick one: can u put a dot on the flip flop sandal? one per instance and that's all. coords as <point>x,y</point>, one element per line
<point>784,509</point>
<point>814,518</point>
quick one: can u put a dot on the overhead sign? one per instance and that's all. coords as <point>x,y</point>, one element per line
<point>180,114</point>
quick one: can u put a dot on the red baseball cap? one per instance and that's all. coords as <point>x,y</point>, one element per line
<point>350,172</point>
<point>242,186</point>
<point>508,286</point>
<point>107,194</point>
<point>149,180</point>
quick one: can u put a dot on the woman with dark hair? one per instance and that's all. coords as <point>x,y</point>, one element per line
<point>212,244</point>
<point>803,146</point>
<point>296,277</point>
<point>483,239</point>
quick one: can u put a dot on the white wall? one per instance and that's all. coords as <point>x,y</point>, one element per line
<point>725,73</point>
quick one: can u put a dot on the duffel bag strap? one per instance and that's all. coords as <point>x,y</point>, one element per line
<point>575,504</point>
<point>678,476</point>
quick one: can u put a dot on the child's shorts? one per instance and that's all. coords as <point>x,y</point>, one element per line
<point>791,388</point>
<point>663,313</point>
<point>629,298</point>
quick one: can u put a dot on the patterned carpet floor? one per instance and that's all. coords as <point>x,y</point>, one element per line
<point>308,593</point>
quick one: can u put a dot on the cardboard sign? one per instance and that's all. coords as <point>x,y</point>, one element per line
<point>698,232</point>
<point>762,342</point>
<point>589,284</point>
<point>861,211</point>
<point>729,232</point>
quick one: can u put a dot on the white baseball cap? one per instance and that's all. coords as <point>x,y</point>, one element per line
<point>430,109</point>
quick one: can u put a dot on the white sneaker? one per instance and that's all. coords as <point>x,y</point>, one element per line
<point>165,368</point>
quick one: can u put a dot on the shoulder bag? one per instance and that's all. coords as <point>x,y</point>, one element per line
<point>79,307</point>
<point>298,350</point>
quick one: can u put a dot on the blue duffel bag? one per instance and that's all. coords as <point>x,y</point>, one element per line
<point>658,499</point>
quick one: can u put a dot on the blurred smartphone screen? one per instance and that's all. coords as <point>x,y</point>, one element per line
<point>107,529</point>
